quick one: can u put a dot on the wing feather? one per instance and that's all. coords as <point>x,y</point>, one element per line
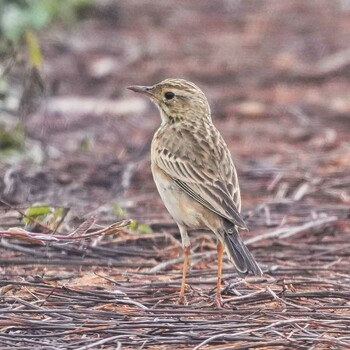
<point>205,173</point>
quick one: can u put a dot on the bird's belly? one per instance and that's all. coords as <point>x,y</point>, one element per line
<point>182,208</point>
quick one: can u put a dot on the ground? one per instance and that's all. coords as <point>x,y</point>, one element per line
<point>276,74</point>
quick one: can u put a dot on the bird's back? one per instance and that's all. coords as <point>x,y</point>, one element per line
<point>196,155</point>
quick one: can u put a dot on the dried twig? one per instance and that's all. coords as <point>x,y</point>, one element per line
<point>78,234</point>
<point>285,232</point>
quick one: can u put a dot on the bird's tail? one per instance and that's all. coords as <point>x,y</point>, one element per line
<point>238,252</point>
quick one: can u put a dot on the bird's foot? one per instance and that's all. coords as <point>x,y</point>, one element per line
<point>218,300</point>
<point>182,300</point>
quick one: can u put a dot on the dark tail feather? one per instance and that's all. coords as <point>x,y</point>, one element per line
<point>238,252</point>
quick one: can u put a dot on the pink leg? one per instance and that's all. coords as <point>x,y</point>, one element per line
<point>187,251</point>
<point>218,299</point>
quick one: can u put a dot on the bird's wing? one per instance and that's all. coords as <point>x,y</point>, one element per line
<point>205,173</point>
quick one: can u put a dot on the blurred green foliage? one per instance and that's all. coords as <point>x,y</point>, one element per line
<point>34,50</point>
<point>49,217</point>
<point>15,147</point>
<point>12,139</point>
<point>136,226</point>
<point>119,212</point>
<point>21,57</point>
<point>86,144</point>
<point>18,16</point>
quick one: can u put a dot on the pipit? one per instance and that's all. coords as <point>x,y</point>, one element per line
<point>195,175</point>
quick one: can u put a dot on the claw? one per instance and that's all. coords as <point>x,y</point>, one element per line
<point>183,300</point>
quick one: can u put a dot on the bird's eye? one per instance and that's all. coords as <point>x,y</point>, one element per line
<point>169,95</point>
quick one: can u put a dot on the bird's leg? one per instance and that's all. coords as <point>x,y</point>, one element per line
<point>220,250</point>
<point>186,244</point>
<point>187,251</point>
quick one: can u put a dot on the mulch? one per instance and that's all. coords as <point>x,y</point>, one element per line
<point>281,102</point>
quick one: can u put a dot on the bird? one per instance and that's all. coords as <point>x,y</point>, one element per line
<point>195,176</point>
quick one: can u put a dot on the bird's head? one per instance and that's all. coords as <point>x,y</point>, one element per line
<point>178,100</point>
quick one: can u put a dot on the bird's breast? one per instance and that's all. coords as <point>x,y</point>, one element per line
<point>180,206</point>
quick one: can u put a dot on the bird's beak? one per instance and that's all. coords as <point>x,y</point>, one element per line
<point>146,90</point>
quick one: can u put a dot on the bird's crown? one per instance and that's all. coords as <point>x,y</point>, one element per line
<point>177,100</point>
